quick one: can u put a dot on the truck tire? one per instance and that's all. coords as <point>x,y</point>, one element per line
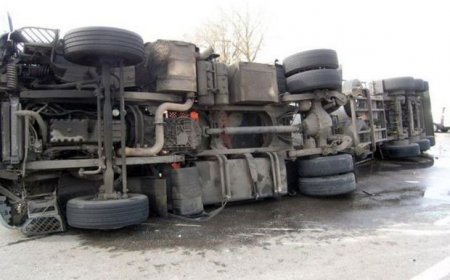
<point>401,151</point>
<point>312,59</point>
<point>314,79</point>
<point>92,46</point>
<point>292,176</point>
<point>87,213</point>
<point>325,166</point>
<point>329,185</point>
<point>419,85</point>
<point>425,86</point>
<point>432,140</point>
<point>424,145</point>
<point>398,84</point>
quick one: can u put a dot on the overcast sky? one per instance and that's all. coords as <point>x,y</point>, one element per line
<point>374,39</point>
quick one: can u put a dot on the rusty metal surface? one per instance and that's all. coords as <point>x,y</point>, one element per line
<point>82,163</point>
<point>253,83</point>
<point>247,179</point>
<point>171,66</point>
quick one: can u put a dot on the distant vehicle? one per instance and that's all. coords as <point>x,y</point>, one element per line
<point>443,126</point>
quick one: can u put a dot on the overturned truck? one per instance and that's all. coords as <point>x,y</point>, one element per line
<point>100,129</point>
<point>391,118</point>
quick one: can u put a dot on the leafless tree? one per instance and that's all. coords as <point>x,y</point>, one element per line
<point>235,36</point>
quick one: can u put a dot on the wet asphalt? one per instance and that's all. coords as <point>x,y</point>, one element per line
<point>395,226</point>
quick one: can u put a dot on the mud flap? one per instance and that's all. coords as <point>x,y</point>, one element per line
<point>253,173</point>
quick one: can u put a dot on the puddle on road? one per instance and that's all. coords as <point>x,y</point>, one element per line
<point>238,225</point>
<point>438,185</point>
<point>375,166</point>
<point>245,225</point>
<point>400,180</point>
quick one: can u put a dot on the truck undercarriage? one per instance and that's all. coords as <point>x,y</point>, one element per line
<point>99,129</point>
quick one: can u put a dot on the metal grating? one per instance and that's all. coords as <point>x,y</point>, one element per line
<point>42,225</point>
<point>43,216</point>
<point>181,134</point>
<point>174,115</point>
<point>39,35</point>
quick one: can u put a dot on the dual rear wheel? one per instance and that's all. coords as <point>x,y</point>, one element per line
<point>312,70</point>
<point>326,176</point>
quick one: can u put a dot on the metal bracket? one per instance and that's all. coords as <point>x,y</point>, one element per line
<point>253,173</point>
<point>276,172</point>
<point>224,177</point>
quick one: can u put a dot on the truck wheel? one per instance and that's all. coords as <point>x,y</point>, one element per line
<point>314,79</point>
<point>424,145</point>
<point>419,85</point>
<point>91,46</point>
<point>312,59</point>
<point>400,83</point>
<point>432,140</point>
<point>325,166</point>
<point>88,213</point>
<point>329,185</point>
<point>425,86</point>
<point>401,151</point>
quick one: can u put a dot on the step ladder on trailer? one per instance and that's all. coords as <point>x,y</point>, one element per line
<point>369,107</point>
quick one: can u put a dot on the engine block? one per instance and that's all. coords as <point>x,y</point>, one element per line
<point>78,130</point>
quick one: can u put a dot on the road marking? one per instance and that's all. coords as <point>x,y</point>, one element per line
<point>436,272</point>
<point>277,229</point>
<point>443,222</point>
<point>290,229</point>
<point>416,232</point>
<point>187,225</point>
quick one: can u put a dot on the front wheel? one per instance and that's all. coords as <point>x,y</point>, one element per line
<point>92,46</point>
<point>87,212</point>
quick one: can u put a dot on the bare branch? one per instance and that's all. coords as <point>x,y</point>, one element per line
<point>235,36</point>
